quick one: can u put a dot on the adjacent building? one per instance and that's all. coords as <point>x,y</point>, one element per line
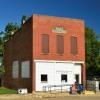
<point>45,51</point>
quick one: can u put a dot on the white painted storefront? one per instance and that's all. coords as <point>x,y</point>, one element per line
<point>54,70</point>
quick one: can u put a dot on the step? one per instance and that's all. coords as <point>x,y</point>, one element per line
<point>89,92</point>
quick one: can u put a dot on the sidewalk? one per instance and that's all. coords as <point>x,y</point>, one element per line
<point>43,95</point>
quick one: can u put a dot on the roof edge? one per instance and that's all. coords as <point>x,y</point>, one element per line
<point>58,17</point>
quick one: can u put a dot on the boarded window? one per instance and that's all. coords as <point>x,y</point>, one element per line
<point>74,45</point>
<point>15,69</point>
<point>25,69</point>
<point>45,43</point>
<point>60,44</point>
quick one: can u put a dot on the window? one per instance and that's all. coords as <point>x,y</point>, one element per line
<point>44,78</point>
<point>63,78</point>
<point>15,69</point>
<point>60,44</point>
<point>25,69</point>
<point>74,45</point>
<point>45,43</point>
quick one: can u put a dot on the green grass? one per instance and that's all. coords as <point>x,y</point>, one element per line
<point>7,91</point>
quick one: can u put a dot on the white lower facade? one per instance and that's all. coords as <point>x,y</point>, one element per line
<point>56,73</point>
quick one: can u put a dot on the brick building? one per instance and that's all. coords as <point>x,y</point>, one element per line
<point>46,50</point>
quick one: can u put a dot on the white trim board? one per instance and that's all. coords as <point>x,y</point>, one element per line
<point>60,61</point>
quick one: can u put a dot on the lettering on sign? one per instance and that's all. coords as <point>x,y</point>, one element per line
<point>59,30</point>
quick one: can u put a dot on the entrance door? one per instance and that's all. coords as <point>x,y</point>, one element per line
<point>77,78</point>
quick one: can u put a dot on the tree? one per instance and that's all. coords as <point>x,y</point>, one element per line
<point>1,52</point>
<point>10,29</point>
<point>1,43</point>
<point>92,52</point>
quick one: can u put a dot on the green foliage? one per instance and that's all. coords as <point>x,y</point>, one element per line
<point>1,45</point>
<point>24,18</point>
<point>2,69</point>
<point>1,52</point>
<point>92,52</point>
<point>10,29</point>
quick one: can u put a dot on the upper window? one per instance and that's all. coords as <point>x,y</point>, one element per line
<point>15,69</point>
<point>74,45</point>
<point>63,78</point>
<point>25,69</point>
<point>45,43</point>
<point>60,44</point>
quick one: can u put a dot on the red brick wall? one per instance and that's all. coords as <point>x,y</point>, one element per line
<point>45,24</point>
<point>19,47</point>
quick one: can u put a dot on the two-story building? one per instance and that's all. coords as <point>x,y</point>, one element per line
<point>45,51</point>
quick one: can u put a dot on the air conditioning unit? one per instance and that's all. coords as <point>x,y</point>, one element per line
<point>22,91</point>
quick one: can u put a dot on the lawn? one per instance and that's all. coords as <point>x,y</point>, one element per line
<point>7,91</point>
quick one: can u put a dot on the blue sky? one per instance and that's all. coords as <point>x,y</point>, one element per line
<point>88,10</point>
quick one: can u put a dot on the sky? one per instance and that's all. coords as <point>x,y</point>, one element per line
<point>87,10</point>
